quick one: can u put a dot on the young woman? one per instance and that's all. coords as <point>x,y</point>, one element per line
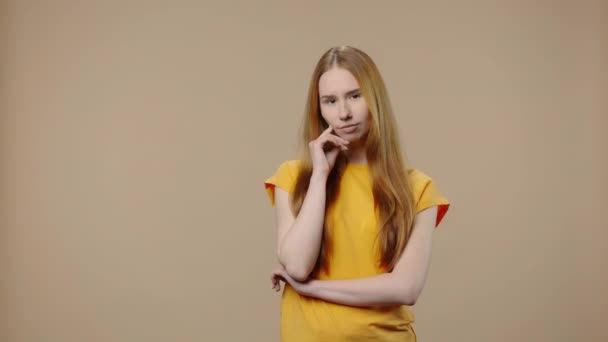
<point>354,223</point>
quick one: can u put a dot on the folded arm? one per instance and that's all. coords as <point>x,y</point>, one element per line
<point>402,286</point>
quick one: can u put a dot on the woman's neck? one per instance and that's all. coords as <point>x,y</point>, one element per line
<point>356,155</point>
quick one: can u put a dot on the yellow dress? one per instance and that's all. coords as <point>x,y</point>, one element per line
<point>354,255</point>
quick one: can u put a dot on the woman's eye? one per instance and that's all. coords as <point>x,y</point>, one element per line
<point>331,101</point>
<point>356,96</point>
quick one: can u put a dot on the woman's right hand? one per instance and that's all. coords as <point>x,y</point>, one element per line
<point>324,151</point>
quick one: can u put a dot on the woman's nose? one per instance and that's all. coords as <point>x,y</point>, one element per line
<point>344,111</point>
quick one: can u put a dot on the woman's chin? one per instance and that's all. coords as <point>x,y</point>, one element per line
<point>348,136</point>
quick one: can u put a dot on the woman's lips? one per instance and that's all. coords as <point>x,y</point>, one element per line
<point>348,128</point>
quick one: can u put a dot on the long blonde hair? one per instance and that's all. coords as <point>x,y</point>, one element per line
<point>391,189</point>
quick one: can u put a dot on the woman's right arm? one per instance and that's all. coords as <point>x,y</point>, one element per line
<point>299,239</point>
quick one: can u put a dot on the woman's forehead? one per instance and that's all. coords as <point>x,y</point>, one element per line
<point>337,81</point>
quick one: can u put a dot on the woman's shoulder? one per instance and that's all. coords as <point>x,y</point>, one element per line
<point>288,169</point>
<point>426,193</point>
<point>418,179</point>
<point>291,165</point>
<point>416,174</point>
<point>283,177</point>
<point>294,163</point>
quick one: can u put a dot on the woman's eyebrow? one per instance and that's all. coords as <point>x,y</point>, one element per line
<point>350,92</point>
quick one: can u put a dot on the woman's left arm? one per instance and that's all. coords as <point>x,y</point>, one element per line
<point>402,286</point>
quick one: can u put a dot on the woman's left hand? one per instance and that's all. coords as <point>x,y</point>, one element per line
<point>280,274</point>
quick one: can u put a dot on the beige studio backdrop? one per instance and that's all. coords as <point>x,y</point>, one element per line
<point>135,137</point>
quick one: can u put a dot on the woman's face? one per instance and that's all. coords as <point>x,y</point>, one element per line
<point>342,105</point>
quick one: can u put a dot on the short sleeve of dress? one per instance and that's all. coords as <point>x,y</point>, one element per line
<point>427,195</point>
<point>284,177</point>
